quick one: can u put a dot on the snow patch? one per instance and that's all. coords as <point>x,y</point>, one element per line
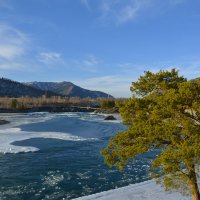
<point>148,190</point>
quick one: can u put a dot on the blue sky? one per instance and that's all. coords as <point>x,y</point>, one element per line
<point>98,44</point>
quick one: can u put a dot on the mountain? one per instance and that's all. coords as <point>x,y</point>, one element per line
<point>67,89</point>
<point>9,88</point>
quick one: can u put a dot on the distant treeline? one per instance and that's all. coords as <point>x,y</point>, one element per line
<point>56,101</point>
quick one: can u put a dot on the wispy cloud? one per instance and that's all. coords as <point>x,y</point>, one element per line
<point>116,85</point>
<point>120,11</point>
<point>189,68</point>
<point>13,43</point>
<point>50,57</point>
<point>10,51</point>
<point>86,3</point>
<point>12,66</point>
<point>18,52</point>
<point>89,63</point>
<point>14,46</point>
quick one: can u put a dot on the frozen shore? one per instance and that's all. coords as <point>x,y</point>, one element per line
<point>148,190</point>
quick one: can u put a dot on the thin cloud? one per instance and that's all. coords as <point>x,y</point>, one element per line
<point>86,3</point>
<point>120,11</point>
<point>190,68</point>
<point>14,46</point>
<point>12,66</point>
<point>116,85</point>
<point>9,52</point>
<point>17,51</point>
<point>49,57</point>
<point>90,63</point>
<point>13,43</point>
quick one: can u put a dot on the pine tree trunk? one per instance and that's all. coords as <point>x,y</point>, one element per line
<point>195,191</point>
<point>193,184</point>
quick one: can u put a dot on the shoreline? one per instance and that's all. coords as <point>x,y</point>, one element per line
<point>58,110</point>
<point>49,109</point>
<point>139,191</point>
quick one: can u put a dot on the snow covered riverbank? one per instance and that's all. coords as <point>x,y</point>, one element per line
<point>148,190</point>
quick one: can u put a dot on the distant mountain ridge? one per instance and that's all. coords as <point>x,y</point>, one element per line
<point>10,88</point>
<point>67,89</point>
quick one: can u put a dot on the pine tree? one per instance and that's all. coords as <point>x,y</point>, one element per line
<point>164,114</point>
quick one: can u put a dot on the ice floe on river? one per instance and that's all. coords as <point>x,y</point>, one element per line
<point>10,135</point>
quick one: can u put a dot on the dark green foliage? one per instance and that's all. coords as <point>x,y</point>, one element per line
<point>14,103</point>
<point>163,113</point>
<point>107,103</point>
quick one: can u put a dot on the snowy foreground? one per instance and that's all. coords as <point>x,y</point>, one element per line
<point>146,190</point>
